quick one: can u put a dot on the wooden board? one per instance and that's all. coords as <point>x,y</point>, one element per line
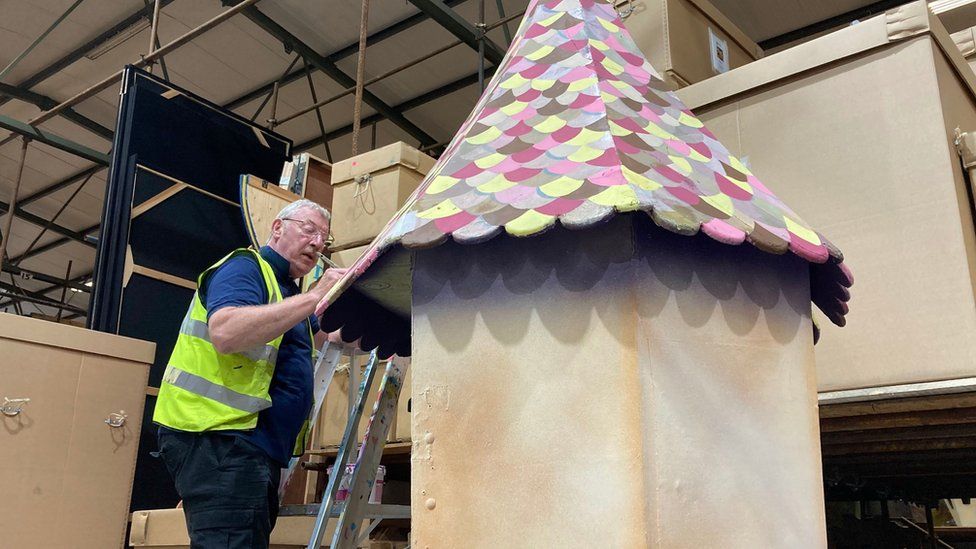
<point>317,186</point>
<point>260,203</point>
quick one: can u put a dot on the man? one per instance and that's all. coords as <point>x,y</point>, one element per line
<point>236,397</point>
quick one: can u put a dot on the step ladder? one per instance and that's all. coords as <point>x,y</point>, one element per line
<point>356,509</point>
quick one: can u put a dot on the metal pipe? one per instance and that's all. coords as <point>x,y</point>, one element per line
<point>155,27</point>
<point>357,108</point>
<point>13,201</point>
<point>38,40</point>
<point>318,111</point>
<point>393,71</point>
<point>482,34</point>
<point>64,289</point>
<point>156,54</point>
<point>51,221</point>
<point>272,122</point>
<point>13,284</point>
<point>505,20</point>
<point>369,82</point>
<point>501,13</point>
<point>279,82</point>
<point>41,301</point>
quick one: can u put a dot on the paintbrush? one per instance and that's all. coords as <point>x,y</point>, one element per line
<point>328,261</point>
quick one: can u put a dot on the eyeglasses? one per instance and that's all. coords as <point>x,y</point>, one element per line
<point>310,230</point>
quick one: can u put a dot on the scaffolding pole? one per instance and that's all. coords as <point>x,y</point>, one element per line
<point>152,57</point>
<point>13,201</point>
<point>154,30</point>
<point>360,78</point>
<point>277,83</point>
<point>38,40</point>
<point>64,289</point>
<point>371,81</point>
<point>52,221</point>
<point>391,72</point>
<point>318,110</point>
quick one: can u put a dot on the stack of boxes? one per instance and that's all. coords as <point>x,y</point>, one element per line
<point>687,41</point>
<point>966,42</point>
<point>857,129</point>
<point>367,191</point>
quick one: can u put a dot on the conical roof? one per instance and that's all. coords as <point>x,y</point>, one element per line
<point>575,127</point>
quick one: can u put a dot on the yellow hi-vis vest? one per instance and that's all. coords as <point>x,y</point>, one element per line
<point>205,390</point>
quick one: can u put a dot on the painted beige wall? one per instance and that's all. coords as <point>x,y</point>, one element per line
<point>593,389</point>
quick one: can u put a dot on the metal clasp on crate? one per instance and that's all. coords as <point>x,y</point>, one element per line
<point>362,184</point>
<point>12,407</point>
<point>116,419</point>
<point>965,143</point>
<point>623,12</point>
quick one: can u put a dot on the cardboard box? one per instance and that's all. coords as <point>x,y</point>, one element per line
<point>687,41</point>
<point>66,475</point>
<point>166,528</point>
<point>965,40</point>
<point>855,131</point>
<point>345,258</point>
<point>335,408</point>
<point>368,189</point>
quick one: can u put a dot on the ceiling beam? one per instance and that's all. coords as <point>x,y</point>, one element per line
<point>19,294</point>
<point>335,57</point>
<point>79,52</point>
<point>44,102</point>
<point>332,58</point>
<point>58,284</point>
<point>55,187</point>
<point>54,140</point>
<point>291,42</point>
<point>41,222</point>
<point>830,23</point>
<point>54,244</point>
<point>460,28</point>
<point>421,99</point>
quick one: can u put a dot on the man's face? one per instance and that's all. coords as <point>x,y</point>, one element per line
<point>299,238</point>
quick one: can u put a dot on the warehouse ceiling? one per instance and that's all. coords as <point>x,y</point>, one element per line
<point>235,64</point>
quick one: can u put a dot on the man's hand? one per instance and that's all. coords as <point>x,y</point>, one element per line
<point>325,283</point>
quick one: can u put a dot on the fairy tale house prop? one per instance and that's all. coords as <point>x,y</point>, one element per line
<point>601,374</point>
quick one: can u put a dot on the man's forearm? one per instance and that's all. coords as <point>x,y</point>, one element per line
<point>236,329</point>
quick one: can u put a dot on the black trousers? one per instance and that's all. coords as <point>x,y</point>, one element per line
<point>229,488</point>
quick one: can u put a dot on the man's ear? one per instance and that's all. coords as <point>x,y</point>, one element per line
<point>276,228</point>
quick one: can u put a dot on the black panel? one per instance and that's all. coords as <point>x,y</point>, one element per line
<point>186,233</point>
<point>148,185</point>
<point>188,139</point>
<point>169,304</point>
<point>198,145</point>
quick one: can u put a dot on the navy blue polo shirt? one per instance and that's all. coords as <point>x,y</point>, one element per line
<point>238,283</point>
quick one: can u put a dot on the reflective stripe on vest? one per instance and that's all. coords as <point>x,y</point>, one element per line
<point>206,388</point>
<point>198,329</point>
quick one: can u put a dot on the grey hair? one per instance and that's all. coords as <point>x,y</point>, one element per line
<point>303,203</point>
